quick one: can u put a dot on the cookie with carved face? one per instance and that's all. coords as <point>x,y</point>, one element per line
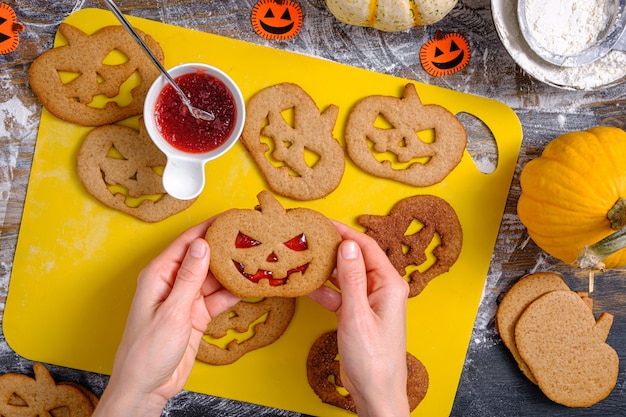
<point>71,80</point>
<point>323,375</point>
<point>119,166</point>
<point>271,251</point>
<point>404,140</point>
<point>408,249</point>
<point>248,325</point>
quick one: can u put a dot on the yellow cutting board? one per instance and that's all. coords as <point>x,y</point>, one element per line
<point>76,260</point>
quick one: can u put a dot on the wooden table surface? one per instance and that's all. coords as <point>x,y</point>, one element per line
<point>491,384</point>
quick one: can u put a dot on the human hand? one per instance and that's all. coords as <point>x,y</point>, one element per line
<point>175,299</point>
<point>371,333</point>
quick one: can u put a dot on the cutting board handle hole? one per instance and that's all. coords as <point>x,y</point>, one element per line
<point>481,143</point>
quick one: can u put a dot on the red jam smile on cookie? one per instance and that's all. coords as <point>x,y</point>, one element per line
<point>297,244</point>
<point>181,129</point>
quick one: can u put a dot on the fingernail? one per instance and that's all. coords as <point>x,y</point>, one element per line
<point>349,250</point>
<point>197,249</point>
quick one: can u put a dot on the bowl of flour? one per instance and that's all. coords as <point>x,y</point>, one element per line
<point>565,28</point>
<point>572,32</point>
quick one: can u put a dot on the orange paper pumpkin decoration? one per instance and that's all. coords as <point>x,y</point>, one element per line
<point>277,19</point>
<point>9,29</point>
<point>445,54</point>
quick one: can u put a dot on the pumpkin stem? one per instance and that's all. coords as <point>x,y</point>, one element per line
<point>617,214</point>
<point>591,256</point>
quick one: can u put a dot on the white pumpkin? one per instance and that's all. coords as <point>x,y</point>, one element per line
<point>390,15</point>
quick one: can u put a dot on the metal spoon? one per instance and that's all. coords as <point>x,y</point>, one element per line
<point>195,112</point>
<point>615,39</point>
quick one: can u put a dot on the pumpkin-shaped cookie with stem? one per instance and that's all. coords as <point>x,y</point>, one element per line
<point>298,156</point>
<point>271,251</point>
<point>21,395</point>
<point>248,325</point>
<point>88,61</point>
<point>440,234</point>
<point>403,139</point>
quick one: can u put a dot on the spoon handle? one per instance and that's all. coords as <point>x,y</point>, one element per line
<point>120,16</point>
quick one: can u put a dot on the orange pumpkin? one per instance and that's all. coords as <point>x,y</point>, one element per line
<point>574,195</point>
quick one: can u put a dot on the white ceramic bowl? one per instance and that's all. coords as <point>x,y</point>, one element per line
<point>184,176</point>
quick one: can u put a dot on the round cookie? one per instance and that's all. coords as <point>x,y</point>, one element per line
<point>271,251</point>
<point>269,318</point>
<point>324,376</point>
<point>515,301</point>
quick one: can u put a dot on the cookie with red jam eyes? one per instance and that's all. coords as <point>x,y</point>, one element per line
<point>271,251</point>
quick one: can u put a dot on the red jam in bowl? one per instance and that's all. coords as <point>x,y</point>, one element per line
<point>181,129</point>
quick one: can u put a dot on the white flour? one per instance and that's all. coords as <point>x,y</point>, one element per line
<point>606,71</point>
<point>568,27</point>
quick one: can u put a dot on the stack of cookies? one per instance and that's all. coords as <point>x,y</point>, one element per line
<point>556,340</point>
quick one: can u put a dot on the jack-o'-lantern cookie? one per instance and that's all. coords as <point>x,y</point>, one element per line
<point>271,251</point>
<point>403,139</point>
<point>323,374</point>
<point>247,326</point>
<point>89,77</point>
<point>21,395</point>
<point>118,166</point>
<point>299,158</point>
<point>414,225</point>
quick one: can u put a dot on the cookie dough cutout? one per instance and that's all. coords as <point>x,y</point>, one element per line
<point>565,348</point>
<point>300,160</point>
<point>396,150</point>
<point>92,77</point>
<point>323,374</point>
<point>271,251</point>
<point>247,326</point>
<point>118,166</point>
<point>437,220</point>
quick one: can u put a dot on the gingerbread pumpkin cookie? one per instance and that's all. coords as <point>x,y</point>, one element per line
<point>265,319</point>
<point>117,165</point>
<point>85,57</point>
<point>323,374</point>
<point>397,151</point>
<point>406,248</point>
<point>300,160</point>
<point>272,251</point>
<point>565,348</point>
<point>21,395</point>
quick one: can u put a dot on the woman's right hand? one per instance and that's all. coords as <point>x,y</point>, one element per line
<point>371,333</point>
